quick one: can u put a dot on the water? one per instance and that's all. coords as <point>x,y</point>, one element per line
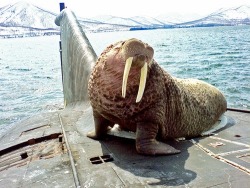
<point>30,78</point>
<point>30,75</point>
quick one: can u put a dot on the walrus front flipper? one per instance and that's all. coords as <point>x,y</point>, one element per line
<point>102,126</point>
<point>146,143</point>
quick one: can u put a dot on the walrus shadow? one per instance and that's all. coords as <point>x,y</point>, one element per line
<point>230,122</point>
<point>171,170</point>
<point>167,170</point>
<point>134,169</point>
<point>152,170</point>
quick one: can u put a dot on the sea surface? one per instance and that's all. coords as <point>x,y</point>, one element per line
<point>30,73</point>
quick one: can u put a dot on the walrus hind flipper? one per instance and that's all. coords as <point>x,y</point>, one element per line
<point>146,143</point>
<point>154,147</point>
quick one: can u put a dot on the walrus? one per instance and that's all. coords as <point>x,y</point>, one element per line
<point>128,87</point>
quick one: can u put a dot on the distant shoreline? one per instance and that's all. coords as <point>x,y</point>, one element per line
<point>49,32</point>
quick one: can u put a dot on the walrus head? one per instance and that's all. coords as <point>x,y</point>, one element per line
<point>136,53</point>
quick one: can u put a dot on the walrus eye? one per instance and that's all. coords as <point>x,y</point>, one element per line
<point>125,75</point>
<point>143,78</point>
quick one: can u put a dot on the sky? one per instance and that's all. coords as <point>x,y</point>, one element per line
<point>129,8</point>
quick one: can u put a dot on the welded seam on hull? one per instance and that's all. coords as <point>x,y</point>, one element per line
<point>216,156</point>
<point>229,141</point>
<point>77,183</point>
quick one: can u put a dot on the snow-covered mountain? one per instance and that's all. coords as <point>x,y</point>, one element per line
<point>223,17</point>
<point>24,19</point>
<point>97,26</point>
<point>145,20</point>
<point>108,19</point>
<point>177,18</point>
<point>23,14</point>
<point>239,13</point>
<point>136,21</point>
<point>232,16</point>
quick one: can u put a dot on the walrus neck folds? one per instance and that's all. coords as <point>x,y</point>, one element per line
<point>136,53</point>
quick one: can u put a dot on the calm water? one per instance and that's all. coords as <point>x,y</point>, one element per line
<point>30,75</point>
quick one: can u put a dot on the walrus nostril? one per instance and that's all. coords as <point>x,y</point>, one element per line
<point>141,57</point>
<point>139,60</point>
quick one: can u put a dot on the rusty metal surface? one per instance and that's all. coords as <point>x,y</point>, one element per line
<point>33,154</point>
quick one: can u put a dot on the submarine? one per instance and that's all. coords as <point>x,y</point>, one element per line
<point>52,150</point>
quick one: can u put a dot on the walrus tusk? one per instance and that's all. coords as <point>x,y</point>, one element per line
<point>125,75</point>
<point>143,78</point>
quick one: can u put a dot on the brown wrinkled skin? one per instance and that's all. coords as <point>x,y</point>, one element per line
<point>170,107</point>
